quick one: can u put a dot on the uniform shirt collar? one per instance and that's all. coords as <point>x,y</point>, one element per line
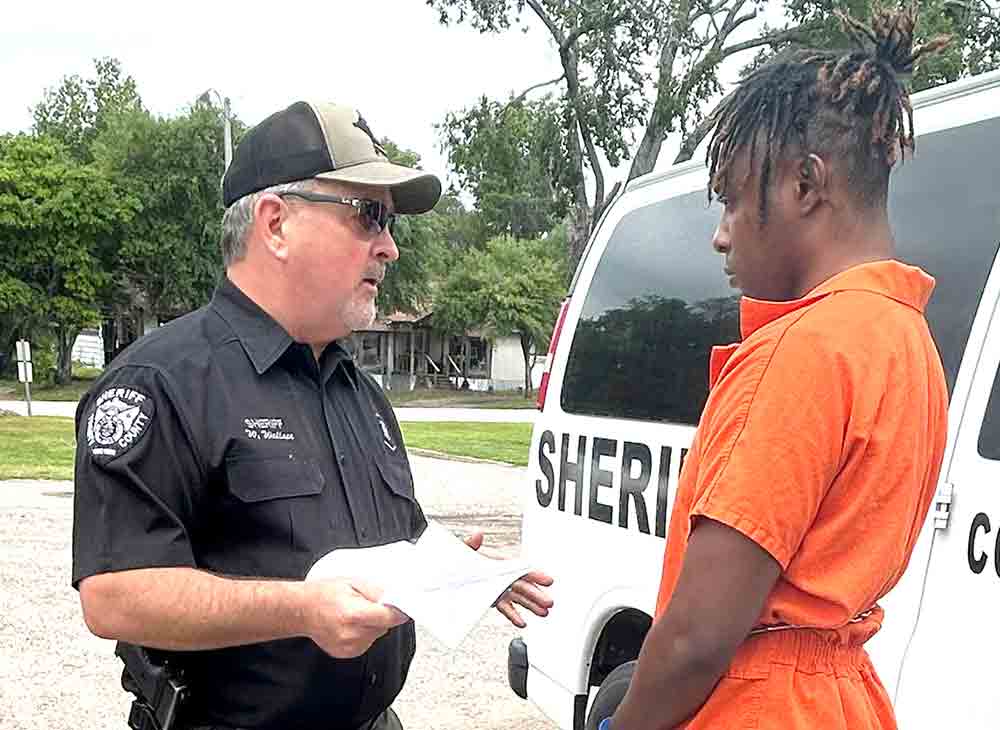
<point>908,285</point>
<point>263,339</point>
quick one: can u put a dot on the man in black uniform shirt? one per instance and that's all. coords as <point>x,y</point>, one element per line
<point>220,456</point>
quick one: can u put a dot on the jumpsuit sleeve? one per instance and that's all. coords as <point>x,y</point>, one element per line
<point>773,441</point>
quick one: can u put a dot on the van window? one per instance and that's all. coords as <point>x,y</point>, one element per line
<point>659,301</point>
<point>989,434</point>
<point>945,213</point>
<point>657,304</point>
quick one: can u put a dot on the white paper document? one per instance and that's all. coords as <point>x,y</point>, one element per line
<point>438,581</point>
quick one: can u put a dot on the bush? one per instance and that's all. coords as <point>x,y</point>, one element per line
<point>43,362</point>
<point>86,372</point>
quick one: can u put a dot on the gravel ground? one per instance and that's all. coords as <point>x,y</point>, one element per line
<point>55,675</point>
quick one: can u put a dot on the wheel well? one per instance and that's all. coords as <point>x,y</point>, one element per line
<point>619,642</point>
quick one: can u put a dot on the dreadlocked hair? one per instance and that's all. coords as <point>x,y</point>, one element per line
<point>851,106</point>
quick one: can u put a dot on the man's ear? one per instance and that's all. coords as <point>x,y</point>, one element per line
<point>812,183</point>
<point>271,215</point>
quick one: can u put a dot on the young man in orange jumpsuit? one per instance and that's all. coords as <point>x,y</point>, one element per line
<point>819,449</point>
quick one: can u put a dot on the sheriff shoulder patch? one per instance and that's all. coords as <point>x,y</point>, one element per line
<point>118,419</point>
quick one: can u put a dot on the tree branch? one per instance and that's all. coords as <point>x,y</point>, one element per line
<point>547,20</point>
<point>691,141</point>
<point>729,23</point>
<point>521,97</point>
<point>599,210</point>
<point>789,34</point>
<point>584,29</point>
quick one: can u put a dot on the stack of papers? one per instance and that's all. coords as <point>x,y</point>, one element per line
<point>438,581</point>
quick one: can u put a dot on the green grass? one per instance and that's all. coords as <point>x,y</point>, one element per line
<point>83,377</point>
<point>42,447</point>
<point>506,442</point>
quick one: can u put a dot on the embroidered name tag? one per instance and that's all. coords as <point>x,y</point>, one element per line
<point>267,429</point>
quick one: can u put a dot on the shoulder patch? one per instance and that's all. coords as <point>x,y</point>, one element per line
<point>118,419</point>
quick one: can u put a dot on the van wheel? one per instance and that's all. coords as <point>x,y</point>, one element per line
<point>610,694</point>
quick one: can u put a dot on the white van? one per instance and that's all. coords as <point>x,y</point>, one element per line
<point>628,380</point>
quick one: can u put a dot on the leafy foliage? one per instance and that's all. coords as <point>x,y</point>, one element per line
<point>56,215</point>
<point>513,159</point>
<point>512,287</point>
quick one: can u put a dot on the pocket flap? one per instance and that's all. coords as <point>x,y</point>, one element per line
<point>260,480</point>
<point>397,476</point>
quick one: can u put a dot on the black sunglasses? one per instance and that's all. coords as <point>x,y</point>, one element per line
<point>374,214</point>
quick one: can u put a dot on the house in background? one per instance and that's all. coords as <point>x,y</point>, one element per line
<point>88,348</point>
<point>404,352</point>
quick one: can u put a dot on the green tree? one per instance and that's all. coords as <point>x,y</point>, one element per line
<point>78,109</point>
<point>512,159</point>
<point>168,260</point>
<point>55,215</point>
<point>408,284</point>
<point>512,287</point>
<point>612,54</point>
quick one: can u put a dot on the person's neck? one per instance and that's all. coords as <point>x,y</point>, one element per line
<point>858,240</point>
<point>267,294</point>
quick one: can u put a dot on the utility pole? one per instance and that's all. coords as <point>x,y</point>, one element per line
<point>227,125</point>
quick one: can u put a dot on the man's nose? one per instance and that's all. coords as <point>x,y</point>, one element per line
<point>385,246</point>
<point>721,241</point>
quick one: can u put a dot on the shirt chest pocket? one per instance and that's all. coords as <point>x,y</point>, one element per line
<point>263,479</point>
<point>400,515</point>
<point>396,476</point>
<point>274,502</point>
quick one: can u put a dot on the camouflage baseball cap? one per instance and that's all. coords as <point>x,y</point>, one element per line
<point>325,141</point>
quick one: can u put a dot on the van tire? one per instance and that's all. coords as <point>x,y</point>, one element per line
<point>610,694</point>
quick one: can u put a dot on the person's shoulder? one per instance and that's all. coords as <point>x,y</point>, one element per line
<point>368,384</point>
<point>192,338</point>
<point>178,355</point>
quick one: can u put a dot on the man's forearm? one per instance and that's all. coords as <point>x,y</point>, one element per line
<point>187,609</point>
<point>673,678</point>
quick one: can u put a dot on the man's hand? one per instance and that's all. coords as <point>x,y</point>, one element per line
<point>526,592</point>
<point>345,617</point>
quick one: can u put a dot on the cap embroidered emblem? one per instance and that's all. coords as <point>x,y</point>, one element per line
<point>363,126</point>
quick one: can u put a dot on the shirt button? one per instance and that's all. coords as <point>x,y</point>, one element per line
<point>373,680</point>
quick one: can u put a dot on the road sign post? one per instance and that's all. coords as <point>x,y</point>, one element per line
<point>24,373</point>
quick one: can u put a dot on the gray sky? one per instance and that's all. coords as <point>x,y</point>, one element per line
<point>389,58</point>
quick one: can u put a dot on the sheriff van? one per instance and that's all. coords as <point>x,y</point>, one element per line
<point>627,380</point>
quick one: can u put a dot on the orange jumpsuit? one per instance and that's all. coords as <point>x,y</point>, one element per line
<point>821,441</point>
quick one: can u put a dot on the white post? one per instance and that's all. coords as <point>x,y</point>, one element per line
<point>228,133</point>
<point>24,373</point>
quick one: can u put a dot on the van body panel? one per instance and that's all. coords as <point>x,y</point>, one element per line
<point>581,528</point>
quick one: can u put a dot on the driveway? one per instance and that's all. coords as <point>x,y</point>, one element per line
<point>55,675</point>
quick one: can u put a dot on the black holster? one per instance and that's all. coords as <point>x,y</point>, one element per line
<point>159,687</point>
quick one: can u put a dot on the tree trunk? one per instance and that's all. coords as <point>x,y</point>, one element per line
<point>109,336</point>
<point>64,364</point>
<point>691,142</point>
<point>526,353</point>
<point>577,233</point>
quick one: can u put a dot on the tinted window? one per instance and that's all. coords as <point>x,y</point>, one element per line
<point>989,434</point>
<point>659,301</point>
<point>945,212</point>
<point>657,304</point>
